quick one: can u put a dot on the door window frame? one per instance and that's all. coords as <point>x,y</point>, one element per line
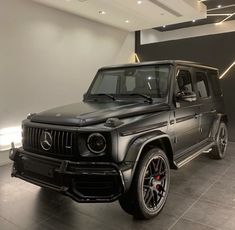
<point>185,103</point>
<point>197,69</point>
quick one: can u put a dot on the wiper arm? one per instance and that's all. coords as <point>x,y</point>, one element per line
<point>150,100</point>
<point>107,95</point>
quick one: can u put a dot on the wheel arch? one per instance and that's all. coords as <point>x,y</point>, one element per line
<point>142,145</point>
<point>163,143</point>
<point>221,117</point>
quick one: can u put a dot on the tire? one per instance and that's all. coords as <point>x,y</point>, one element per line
<point>219,149</point>
<point>150,186</point>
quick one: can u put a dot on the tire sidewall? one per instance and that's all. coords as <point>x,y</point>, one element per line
<point>220,154</point>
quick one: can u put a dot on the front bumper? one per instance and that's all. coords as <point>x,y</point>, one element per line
<point>82,181</point>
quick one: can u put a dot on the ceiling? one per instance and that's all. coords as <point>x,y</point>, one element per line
<point>133,15</point>
<point>217,11</point>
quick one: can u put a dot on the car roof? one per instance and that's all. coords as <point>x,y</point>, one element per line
<point>172,62</point>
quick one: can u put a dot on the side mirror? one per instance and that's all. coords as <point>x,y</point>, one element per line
<point>186,96</point>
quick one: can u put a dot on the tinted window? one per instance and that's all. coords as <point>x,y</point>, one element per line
<point>202,85</point>
<point>148,80</point>
<point>107,83</point>
<point>215,85</point>
<point>130,83</point>
<point>184,82</point>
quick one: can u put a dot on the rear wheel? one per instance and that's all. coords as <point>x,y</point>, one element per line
<point>150,186</point>
<point>219,149</point>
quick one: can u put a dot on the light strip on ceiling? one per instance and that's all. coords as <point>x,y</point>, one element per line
<point>215,15</point>
<point>222,7</point>
<point>226,19</point>
<point>227,70</point>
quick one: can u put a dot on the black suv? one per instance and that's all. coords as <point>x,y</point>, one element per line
<point>135,123</point>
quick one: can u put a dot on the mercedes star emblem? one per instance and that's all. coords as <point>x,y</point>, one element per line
<point>46,140</point>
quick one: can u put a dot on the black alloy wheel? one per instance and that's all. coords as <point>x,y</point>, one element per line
<point>220,147</point>
<point>155,183</point>
<point>150,186</point>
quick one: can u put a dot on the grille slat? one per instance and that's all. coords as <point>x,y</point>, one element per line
<point>30,139</point>
<point>61,141</point>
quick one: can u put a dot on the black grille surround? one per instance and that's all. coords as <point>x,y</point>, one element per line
<point>63,143</point>
<point>66,144</point>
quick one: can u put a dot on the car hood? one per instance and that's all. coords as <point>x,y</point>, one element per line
<point>88,113</point>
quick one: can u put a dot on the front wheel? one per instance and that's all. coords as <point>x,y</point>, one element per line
<point>219,149</point>
<point>150,186</point>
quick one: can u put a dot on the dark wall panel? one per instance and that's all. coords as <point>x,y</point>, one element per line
<point>215,50</point>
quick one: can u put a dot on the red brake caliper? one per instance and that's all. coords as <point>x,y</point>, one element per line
<point>158,178</point>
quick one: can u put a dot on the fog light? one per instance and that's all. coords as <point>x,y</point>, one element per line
<point>96,143</point>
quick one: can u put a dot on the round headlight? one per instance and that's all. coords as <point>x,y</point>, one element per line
<point>96,143</point>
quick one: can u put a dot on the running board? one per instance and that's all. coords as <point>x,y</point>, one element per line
<point>206,149</point>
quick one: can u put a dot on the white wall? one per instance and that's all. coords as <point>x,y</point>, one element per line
<point>48,57</point>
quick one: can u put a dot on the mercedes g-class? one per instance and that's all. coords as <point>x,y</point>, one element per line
<point>135,123</point>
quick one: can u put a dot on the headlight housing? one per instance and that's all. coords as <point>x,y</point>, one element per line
<point>96,143</point>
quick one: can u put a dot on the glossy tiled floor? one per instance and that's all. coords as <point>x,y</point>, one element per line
<point>202,197</point>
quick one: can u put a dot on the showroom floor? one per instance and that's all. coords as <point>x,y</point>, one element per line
<point>202,197</point>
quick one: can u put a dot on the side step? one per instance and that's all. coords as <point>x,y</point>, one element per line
<point>193,154</point>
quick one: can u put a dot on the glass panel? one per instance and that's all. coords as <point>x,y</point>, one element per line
<point>202,85</point>
<point>147,80</point>
<point>184,82</point>
<point>106,83</point>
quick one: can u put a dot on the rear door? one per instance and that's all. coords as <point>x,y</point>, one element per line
<point>207,105</point>
<point>187,114</point>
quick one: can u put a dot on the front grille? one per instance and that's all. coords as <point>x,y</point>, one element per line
<point>62,141</point>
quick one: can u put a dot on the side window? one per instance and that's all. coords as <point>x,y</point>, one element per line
<point>215,85</point>
<point>184,82</point>
<point>202,84</point>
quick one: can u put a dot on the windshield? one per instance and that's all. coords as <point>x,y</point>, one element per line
<point>145,80</point>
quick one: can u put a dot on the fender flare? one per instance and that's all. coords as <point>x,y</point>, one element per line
<point>135,150</point>
<point>220,117</point>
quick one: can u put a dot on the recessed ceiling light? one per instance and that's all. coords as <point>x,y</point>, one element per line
<point>194,20</point>
<point>127,21</point>
<point>139,2</point>
<point>102,12</point>
<point>164,26</point>
<point>219,6</point>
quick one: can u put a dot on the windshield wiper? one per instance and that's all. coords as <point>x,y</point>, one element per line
<point>150,100</point>
<point>107,95</point>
